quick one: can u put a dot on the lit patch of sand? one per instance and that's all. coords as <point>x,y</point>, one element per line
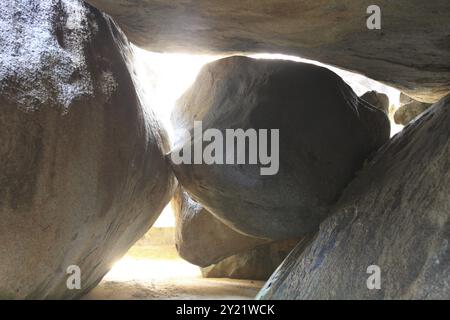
<point>138,277</point>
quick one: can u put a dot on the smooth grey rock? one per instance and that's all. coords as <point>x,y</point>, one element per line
<point>325,131</point>
<point>410,52</point>
<point>377,99</point>
<point>201,238</point>
<point>82,171</point>
<point>393,215</point>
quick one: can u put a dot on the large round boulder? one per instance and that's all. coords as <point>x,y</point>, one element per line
<point>325,132</point>
<point>82,170</point>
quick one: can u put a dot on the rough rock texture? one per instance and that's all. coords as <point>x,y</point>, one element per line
<point>411,50</point>
<point>377,99</point>
<point>325,131</point>
<point>404,99</point>
<point>256,264</point>
<point>394,215</point>
<point>82,171</point>
<point>409,111</point>
<point>201,238</point>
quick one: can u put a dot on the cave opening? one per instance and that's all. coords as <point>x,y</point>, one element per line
<point>88,132</point>
<point>152,268</point>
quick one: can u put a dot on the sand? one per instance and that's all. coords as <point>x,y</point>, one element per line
<point>140,276</point>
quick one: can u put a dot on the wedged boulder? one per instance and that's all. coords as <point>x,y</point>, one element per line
<point>377,99</point>
<point>325,133</point>
<point>409,111</point>
<point>201,238</point>
<point>331,32</point>
<point>256,264</point>
<point>394,215</point>
<point>82,171</point>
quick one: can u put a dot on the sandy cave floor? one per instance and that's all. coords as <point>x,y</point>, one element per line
<point>150,272</point>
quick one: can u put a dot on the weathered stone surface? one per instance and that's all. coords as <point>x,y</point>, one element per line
<point>325,131</point>
<point>256,264</point>
<point>377,99</point>
<point>201,238</point>
<point>82,171</point>
<point>409,111</point>
<point>404,99</point>
<point>411,50</point>
<point>393,215</point>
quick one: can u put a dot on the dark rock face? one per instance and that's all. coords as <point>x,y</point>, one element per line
<point>409,111</point>
<point>377,99</point>
<point>201,238</point>
<point>410,51</point>
<point>325,133</point>
<point>82,171</point>
<point>256,264</point>
<point>393,215</point>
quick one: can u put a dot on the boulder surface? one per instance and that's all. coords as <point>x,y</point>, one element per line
<point>409,111</point>
<point>377,99</point>
<point>394,216</point>
<point>201,238</point>
<point>82,168</point>
<point>410,51</point>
